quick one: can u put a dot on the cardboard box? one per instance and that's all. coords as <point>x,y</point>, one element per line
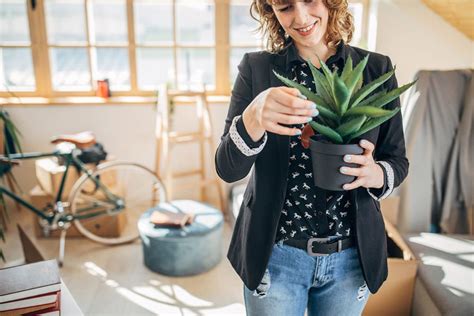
<point>102,226</point>
<point>49,174</point>
<point>396,294</point>
<point>389,208</point>
<point>108,177</point>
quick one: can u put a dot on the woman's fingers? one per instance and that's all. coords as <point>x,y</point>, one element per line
<point>286,108</point>
<point>290,99</point>
<point>282,130</point>
<point>293,91</point>
<point>289,119</point>
<point>358,159</point>
<point>359,182</point>
<point>282,108</point>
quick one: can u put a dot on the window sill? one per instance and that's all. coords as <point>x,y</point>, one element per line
<point>124,100</point>
<point>35,101</point>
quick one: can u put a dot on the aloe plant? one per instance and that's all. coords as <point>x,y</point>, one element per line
<point>346,110</point>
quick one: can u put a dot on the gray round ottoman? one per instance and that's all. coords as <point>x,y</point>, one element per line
<point>190,250</point>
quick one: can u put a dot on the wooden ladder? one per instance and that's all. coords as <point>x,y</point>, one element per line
<point>166,138</point>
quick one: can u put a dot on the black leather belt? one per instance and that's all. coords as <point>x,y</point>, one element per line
<point>320,246</point>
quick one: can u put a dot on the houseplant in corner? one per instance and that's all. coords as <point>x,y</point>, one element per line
<point>347,109</point>
<point>9,143</point>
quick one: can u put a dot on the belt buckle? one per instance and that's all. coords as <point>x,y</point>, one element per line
<point>309,247</point>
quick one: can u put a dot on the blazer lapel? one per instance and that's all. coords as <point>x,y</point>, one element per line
<point>283,141</point>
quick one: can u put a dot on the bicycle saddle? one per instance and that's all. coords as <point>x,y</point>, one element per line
<point>81,140</point>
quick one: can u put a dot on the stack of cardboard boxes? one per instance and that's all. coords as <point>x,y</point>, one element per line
<point>49,174</point>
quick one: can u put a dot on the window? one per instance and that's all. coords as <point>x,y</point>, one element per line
<point>242,36</point>
<point>95,48</point>
<point>171,50</point>
<point>16,63</point>
<point>357,10</point>
<point>135,44</point>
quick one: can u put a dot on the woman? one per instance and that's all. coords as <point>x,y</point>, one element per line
<point>296,246</point>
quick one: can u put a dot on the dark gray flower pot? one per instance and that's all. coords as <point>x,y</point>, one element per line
<point>327,159</point>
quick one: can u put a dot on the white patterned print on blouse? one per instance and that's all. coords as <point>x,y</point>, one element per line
<point>300,218</point>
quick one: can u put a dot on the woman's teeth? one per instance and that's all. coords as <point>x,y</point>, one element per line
<point>306,29</point>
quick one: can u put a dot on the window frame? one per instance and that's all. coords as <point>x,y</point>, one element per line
<point>41,60</point>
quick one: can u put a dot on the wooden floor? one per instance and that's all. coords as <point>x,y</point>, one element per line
<point>107,280</point>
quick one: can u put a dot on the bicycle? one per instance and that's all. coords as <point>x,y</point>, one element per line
<point>120,190</point>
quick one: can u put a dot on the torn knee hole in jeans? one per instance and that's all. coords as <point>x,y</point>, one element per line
<point>264,285</point>
<point>362,291</point>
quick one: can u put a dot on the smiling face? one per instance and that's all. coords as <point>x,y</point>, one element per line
<point>305,21</point>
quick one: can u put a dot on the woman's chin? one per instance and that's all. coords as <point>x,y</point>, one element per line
<point>309,42</point>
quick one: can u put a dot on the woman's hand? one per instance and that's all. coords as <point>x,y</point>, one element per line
<point>369,174</point>
<point>275,106</point>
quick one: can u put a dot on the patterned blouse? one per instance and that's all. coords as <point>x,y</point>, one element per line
<point>310,211</point>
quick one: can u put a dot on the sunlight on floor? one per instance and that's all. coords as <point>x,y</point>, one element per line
<point>453,274</point>
<point>154,293</point>
<point>164,299</point>
<point>442,243</point>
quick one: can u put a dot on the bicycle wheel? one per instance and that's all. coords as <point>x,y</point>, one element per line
<point>108,203</point>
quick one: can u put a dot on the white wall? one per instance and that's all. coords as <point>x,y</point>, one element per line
<point>416,39</point>
<point>126,131</point>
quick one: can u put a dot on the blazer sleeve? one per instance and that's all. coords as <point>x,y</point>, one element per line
<point>232,163</point>
<point>390,147</point>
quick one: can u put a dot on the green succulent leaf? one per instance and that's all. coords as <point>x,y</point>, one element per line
<point>341,95</point>
<point>367,89</point>
<point>347,107</point>
<point>371,98</point>
<point>356,74</point>
<point>369,111</point>
<point>327,131</point>
<point>372,123</point>
<point>323,108</point>
<point>347,69</point>
<point>322,86</point>
<point>327,72</point>
<point>358,85</point>
<point>390,96</point>
<point>351,126</point>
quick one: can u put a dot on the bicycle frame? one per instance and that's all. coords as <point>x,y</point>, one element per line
<point>70,158</point>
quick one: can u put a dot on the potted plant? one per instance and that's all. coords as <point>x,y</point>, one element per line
<point>9,143</point>
<point>346,111</point>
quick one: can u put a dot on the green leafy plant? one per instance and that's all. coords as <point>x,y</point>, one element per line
<point>12,130</point>
<point>11,144</point>
<point>346,110</point>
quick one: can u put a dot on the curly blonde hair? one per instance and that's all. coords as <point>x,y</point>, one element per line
<point>340,23</point>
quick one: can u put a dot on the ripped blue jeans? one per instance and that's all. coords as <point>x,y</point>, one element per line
<point>294,281</point>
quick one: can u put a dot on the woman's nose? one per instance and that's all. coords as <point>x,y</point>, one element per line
<point>301,14</point>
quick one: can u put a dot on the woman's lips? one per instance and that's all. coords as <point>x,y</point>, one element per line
<point>307,32</point>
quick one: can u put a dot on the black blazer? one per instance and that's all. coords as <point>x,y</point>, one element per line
<point>257,223</point>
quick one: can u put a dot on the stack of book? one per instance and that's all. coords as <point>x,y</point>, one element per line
<point>30,289</point>
<point>171,219</point>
